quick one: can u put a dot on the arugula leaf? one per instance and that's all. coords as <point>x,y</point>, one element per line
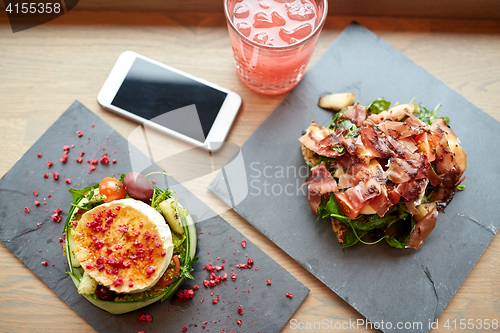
<point>332,208</point>
<point>186,267</point>
<point>350,238</point>
<point>378,106</point>
<point>373,222</point>
<point>394,242</point>
<point>78,194</point>
<point>428,116</point>
<point>158,196</point>
<point>336,117</point>
<point>349,125</point>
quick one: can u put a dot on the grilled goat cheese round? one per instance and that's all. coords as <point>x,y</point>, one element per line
<point>125,245</point>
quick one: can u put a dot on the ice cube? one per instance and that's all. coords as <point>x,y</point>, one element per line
<point>244,28</point>
<point>262,20</point>
<point>263,4</point>
<point>261,38</point>
<point>277,19</point>
<point>299,11</point>
<point>301,32</point>
<point>241,10</point>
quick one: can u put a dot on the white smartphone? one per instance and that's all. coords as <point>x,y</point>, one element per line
<point>171,101</point>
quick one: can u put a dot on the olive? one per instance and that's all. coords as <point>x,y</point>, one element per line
<point>138,187</point>
<point>104,294</point>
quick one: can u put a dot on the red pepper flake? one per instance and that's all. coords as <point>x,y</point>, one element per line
<point>26,209</point>
<point>196,287</point>
<point>56,217</point>
<point>49,164</point>
<point>45,263</point>
<point>79,160</point>
<point>79,133</point>
<point>119,282</point>
<point>144,317</point>
<point>39,155</point>
<point>56,175</point>
<point>268,282</point>
<point>240,311</point>
<point>184,329</point>
<point>244,244</point>
<point>185,294</point>
<point>105,158</point>
<point>239,322</point>
<point>289,295</point>
<point>45,175</point>
<point>214,301</point>
<point>35,192</point>
<point>68,180</point>
<point>37,203</point>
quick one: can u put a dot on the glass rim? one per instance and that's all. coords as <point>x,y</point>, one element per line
<point>316,30</point>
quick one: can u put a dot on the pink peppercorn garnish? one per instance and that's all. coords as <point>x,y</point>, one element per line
<point>289,295</point>
<point>79,133</point>
<point>240,311</point>
<point>268,282</point>
<point>68,180</point>
<point>114,161</point>
<point>196,287</point>
<point>79,160</point>
<point>39,155</point>
<point>184,329</point>
<point>35,192</point>
<point>26,209</point>
<point>56,175</point>
<point>45,263</point>
<point>244,244</point>
<point>49,164</point>
<point>144,317</point>
<point>37,203</point>
<point>239,322</point>
<point>214,301</point>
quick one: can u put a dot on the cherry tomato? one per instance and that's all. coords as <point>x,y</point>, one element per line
<point>112,188</point>
<point>167,278</point>
<point>425,143</point>
<point>346,206</point>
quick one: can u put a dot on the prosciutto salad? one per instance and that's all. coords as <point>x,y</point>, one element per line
<point>383,173</point>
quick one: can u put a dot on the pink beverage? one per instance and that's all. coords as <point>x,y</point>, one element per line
<point>273,40</point>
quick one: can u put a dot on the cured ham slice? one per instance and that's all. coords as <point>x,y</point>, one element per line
<point>355,113</point>
<point>320,139</point>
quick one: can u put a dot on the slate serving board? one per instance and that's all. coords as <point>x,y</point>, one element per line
<point>380,282</point>
<point>265,307</point>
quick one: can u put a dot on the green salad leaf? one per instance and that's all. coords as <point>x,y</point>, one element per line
<point>378,106</point>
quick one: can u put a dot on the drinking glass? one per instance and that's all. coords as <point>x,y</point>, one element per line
<point>272,70</point>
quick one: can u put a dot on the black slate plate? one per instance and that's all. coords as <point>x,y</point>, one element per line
<point>265,307</point>
<point>380,282</point>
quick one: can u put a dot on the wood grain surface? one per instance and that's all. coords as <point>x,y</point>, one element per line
<point>44,69</point>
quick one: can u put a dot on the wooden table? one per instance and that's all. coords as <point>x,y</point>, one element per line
<point>44,69</point>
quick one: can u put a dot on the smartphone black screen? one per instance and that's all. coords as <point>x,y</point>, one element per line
<point>152,92</point>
